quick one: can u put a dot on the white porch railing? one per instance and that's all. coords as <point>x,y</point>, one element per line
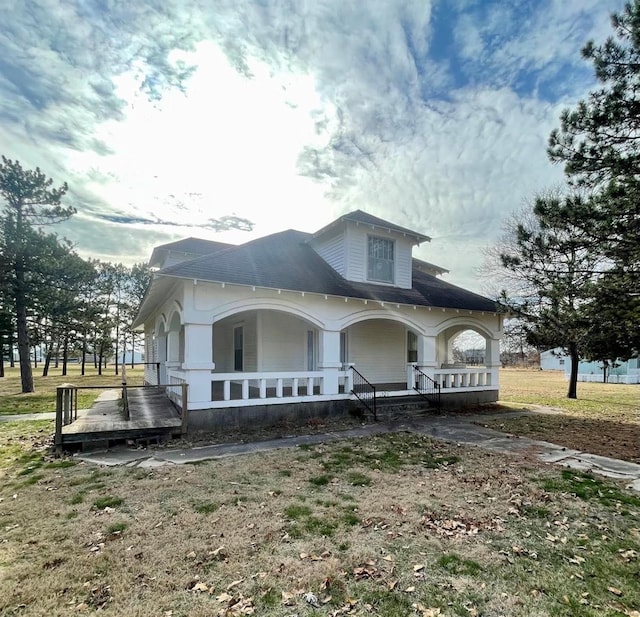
<point>460,379</point>
<point>268,388</point>
<point>175,377</point>
<point>241,389</point>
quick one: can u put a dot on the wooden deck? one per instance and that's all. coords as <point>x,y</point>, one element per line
<point>151,415</point>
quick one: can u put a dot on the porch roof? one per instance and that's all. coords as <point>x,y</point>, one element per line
<point>285,261</point>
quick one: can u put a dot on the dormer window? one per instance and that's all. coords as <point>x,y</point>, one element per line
<point>380,259</point>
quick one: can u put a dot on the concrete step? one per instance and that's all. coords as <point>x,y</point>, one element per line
<point>393,408</point>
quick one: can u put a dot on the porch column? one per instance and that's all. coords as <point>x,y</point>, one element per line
<point>330,363</point>
<point>173,346</point>
<point>426,359</point>
<point>492,359</point>
<point>198,364</point>
<point>161,356</point>
<point>427,351</point>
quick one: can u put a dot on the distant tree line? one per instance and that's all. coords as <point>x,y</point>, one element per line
<point>50,298</point>
<point>570,261</point>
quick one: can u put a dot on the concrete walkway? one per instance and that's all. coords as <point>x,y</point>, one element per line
<point>453,429</point>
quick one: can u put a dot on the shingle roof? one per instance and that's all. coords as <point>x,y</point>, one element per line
<point>187,246</point>
<point>358,216</point>
<point>286,261</point>
<point>194,246</point>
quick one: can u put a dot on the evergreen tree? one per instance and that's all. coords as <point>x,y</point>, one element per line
<point>599,144</point>
<point>599,140</point>
<point>551,273</point>
<point>30,200</point>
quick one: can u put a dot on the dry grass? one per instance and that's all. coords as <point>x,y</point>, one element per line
<point>605,419</point>
<point>399,525</point>
<point>12,401</point>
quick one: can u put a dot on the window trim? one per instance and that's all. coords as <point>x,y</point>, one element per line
<point>392,242</point>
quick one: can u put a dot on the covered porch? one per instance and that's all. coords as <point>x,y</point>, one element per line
<point>271,356</point>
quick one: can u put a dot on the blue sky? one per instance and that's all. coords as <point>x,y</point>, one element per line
<point>170,117</point>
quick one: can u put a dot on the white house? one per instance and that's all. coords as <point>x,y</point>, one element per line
<point>622,371</point>
<point>292,318</point>
<point>554,360</point>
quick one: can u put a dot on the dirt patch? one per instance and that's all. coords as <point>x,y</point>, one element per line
<point>604,437</point>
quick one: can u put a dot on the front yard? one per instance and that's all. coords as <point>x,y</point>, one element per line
<point>604,419</point>
<point>394,525</point>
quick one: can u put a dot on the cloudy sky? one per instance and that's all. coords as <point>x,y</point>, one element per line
<point>175,118</point>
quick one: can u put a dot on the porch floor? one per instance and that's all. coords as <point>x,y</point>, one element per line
<point>151,413</point>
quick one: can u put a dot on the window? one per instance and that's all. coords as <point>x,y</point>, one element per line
<point>412,346</point>
<point>311,350</point>
<point>344,354</point>
<point>380,262</point>
<point>238,345</point>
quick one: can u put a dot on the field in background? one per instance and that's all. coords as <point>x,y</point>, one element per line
<point>44,398</point>
<point>604,419</point>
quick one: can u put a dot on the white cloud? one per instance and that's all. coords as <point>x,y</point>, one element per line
<point>289,113</point>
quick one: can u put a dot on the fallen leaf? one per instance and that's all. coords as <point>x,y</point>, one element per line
<point>615,591</point>
<point>224,597</point>
<point>312,599</point>
<point>232,585</point>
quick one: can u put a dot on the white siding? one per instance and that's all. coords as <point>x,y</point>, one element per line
<point>331,249</point>
<point>356,244</point>
<point>403,264</point>
<point>223,346</point>
<point>283,342</point>
<point>223,342</point>
<point>356,253</point>
<point>377,348</point>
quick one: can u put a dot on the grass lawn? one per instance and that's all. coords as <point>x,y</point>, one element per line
<point>604,419</point>
<point>12,401</point>
<point>394,525</point>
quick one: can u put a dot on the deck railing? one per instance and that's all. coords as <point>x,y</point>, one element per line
<point>67,403</point>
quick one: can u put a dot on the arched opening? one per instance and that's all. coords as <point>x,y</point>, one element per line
<point>175,340</point>
<point>467,348</point>
<point>464,345</point>
<point>379,349</point>
<point>265,340</point>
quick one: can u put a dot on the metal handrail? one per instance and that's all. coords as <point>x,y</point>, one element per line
<point>364,391</point>
<point>125,396</point>
<point>426,387</point>
<point>157,365</point>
